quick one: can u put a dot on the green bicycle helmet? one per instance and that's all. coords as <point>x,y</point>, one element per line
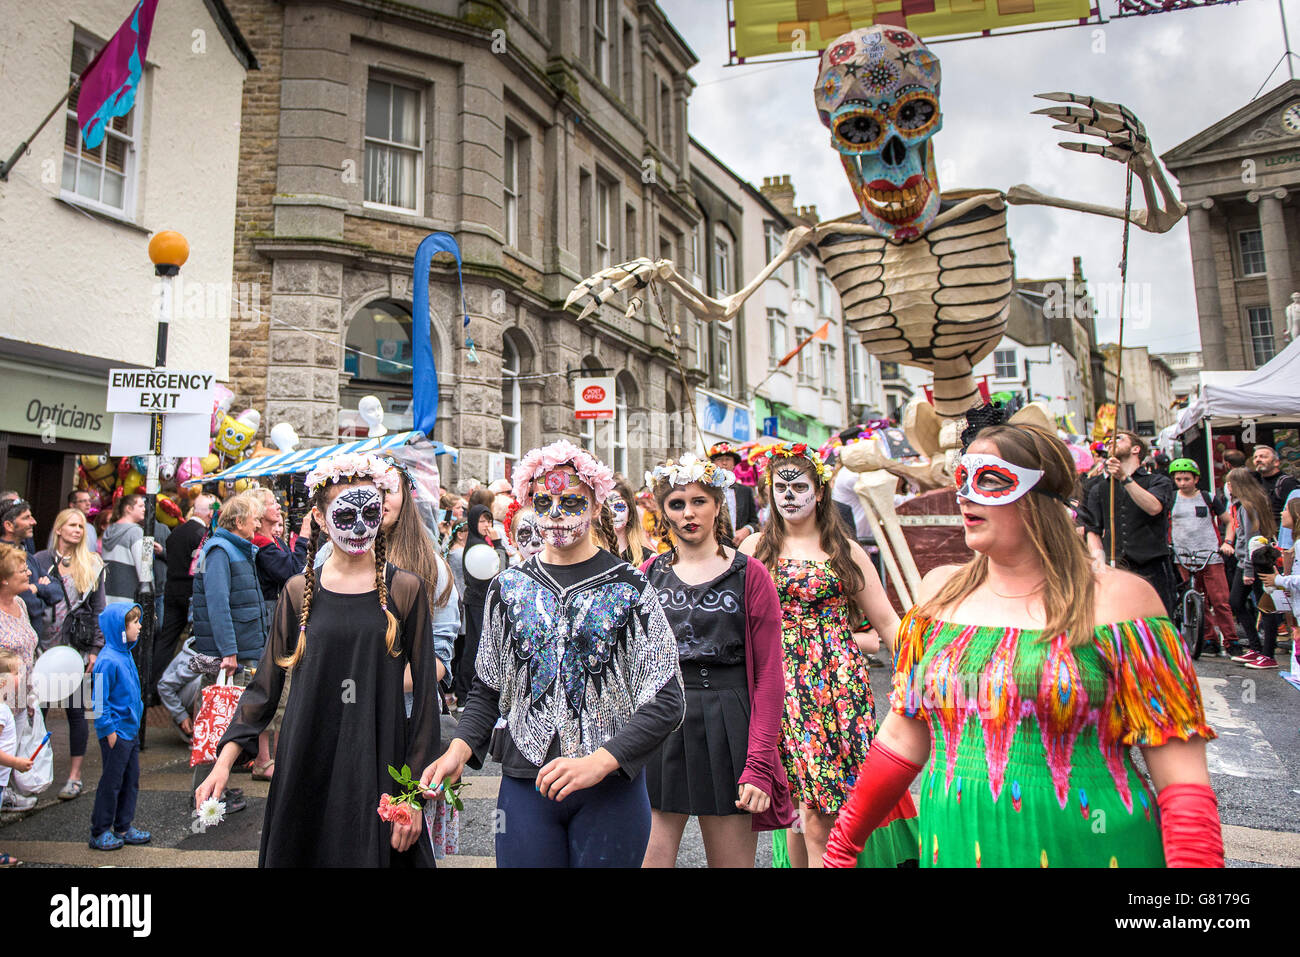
<point>1184,465</point>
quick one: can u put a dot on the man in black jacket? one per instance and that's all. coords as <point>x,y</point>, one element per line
<point>182,543</point>
<point>1143,501</point>
<point>740,498</point>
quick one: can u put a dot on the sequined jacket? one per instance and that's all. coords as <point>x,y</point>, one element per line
<point>574,662</point>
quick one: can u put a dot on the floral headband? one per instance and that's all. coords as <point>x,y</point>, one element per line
<point>353,465</point>
<point>513,510</point>
<point>785,450</point>
<point>543,461</point>
<point>691,469</point>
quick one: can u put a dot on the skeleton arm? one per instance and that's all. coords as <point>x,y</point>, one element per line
<point>1126,142</point>
<point>640,272</point>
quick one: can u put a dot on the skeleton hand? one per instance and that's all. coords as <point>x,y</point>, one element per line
<point>637,274</point>
<point>1125,141</point>
<point>1125,136</point>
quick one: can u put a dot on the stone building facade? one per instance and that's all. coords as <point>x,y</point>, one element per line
<point>548,137</point>
<point>1240,179</point>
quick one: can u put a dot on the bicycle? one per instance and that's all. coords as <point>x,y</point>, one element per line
<point>1189,606</point>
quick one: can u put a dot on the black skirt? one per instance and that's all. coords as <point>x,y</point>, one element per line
<point>697,769</point>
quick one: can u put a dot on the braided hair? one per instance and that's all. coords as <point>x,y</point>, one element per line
<point>291,661</point>
<point>603,528</point>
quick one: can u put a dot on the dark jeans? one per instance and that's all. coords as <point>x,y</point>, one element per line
<point>78,731</point>
<point>119,786</point>
<point>1245,612</point>
<point>1160,575</point>
<point>176,611</point>
<point>607,825</point>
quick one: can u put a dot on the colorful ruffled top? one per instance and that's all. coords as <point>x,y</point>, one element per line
<point>1030,763</point>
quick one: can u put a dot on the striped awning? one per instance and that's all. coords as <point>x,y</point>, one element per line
<point>303,460</point>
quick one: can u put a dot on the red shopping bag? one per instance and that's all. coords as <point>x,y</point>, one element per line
<point>220,701</point>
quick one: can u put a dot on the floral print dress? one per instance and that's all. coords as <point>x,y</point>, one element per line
<point>830,713</point>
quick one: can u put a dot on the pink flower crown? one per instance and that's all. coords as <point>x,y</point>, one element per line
<point>353,465</point>
<point>538,462</point>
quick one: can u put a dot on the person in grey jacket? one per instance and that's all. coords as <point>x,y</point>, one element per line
<point>121,549</point>
<point>230,620</point>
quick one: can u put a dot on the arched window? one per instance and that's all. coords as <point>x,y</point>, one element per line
<point>511,406</point>
<point>377,354</point>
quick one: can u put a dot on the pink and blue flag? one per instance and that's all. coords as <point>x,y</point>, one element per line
<point>109,83</point>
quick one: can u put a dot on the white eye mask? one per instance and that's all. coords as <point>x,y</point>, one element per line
<point>989,480</point>
<point>354,517</point>
<point>789,495</point>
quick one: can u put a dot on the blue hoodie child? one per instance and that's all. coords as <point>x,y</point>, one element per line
<point>116,681</point>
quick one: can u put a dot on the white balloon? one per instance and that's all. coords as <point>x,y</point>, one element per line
<point>482,561</point>
<point>284,437</point>
<point>56,674</point>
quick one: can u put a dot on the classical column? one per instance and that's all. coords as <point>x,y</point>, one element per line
<point>1205,276</point>
<point>1277,260</point>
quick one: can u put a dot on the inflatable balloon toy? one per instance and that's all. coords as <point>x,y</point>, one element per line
<point>233,438</point>
<point>221,401</point>
<point>167,511</point>
<point>482,561</point>
<point>284,437</point>
<point>877,92</point>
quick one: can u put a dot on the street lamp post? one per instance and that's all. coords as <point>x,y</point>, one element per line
<point>168,250</point>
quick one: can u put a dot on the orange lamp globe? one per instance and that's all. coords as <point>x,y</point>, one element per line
<point>169,248</point>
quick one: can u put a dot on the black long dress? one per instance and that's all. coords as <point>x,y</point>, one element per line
<point>344,723</point>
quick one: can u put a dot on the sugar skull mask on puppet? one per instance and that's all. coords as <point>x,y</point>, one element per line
<point>878,93</point>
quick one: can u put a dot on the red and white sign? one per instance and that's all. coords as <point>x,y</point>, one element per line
<point>593,398</point>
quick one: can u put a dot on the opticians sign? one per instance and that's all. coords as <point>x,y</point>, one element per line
<point>593,398</point>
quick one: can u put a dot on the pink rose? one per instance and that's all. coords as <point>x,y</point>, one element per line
<point>400,814</point>
<point>386,807</point>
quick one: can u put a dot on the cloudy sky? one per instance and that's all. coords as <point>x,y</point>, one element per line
<point>1179,72</point>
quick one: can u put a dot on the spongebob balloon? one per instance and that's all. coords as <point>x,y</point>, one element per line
<point>232,439</point>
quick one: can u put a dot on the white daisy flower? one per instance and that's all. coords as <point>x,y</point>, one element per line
<point>211,813</point>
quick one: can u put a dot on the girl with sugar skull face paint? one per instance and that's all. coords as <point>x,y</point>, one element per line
<point>572,639</point>
<point>355,619</point>
<point>628,540</point>
<point>825,584</point>
<point>723,765</point>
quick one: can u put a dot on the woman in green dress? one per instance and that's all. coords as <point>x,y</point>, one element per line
<point>1024,677</point>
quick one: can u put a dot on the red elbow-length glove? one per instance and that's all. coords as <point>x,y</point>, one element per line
<point>1189,825</point>
<point>882,782</point>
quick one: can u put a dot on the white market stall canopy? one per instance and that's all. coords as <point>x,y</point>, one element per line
<point>303,460</point>
<point>1269,394</point>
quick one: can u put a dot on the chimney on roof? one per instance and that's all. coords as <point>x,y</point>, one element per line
<point>809,214</point>
<point>779,193</point>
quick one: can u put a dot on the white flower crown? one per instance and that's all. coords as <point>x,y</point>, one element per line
<point>691,469</point>
<point>353,465</point>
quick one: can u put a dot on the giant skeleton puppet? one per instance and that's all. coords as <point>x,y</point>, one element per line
<point>925,278</point>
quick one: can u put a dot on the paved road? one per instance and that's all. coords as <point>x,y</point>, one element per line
<point>1255,764</point>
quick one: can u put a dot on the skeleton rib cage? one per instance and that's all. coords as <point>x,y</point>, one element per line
<point>939,302</point>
